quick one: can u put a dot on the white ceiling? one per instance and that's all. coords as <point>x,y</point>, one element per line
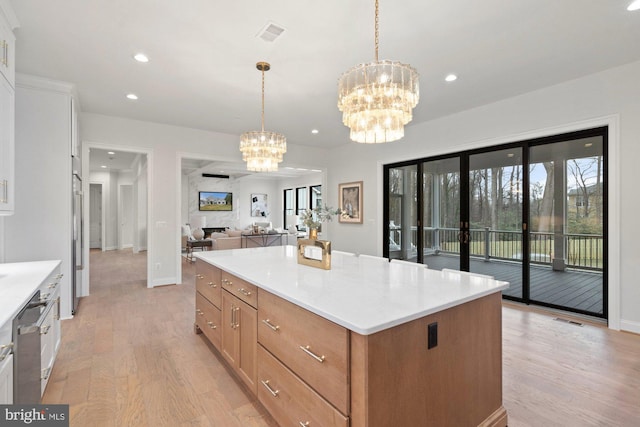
<point>202,54</point>
<point>110,160</point>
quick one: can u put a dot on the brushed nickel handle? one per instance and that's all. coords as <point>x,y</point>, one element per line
<point>244,292</point>
<point>57,315</point>
<point>200,276</point>
<point>304,424</point>
<point>233,317</point>
<point>211,325</point>
<point>52,285</point>
<point>270,325</point>
<point>212,285</point>
<point>6,350</point>
<point>227,282</point>
<point>45,330</point>
<point>273,392</point>
<point>307,350</point>
<point>237,309</point>
<point>3,198</point>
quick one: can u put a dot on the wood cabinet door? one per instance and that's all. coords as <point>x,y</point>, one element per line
<point>247,318</point>
<point>229,341</point>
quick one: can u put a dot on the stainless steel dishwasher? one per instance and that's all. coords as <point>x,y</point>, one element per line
<point>27,327</point>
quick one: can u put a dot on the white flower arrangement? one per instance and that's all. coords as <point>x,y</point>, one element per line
<point>313,218</point>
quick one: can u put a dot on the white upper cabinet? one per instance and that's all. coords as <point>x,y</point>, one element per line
<point>8,22</point>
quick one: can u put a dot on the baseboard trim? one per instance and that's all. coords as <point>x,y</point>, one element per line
<point>163,281</point>
<point>630,326</point>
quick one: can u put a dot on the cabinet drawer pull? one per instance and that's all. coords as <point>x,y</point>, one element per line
<point>244,292</point>
<point>304,424</point>
<point>212,285</point>
<point>199,276</point>
<point>5,351</point>
<point>312,354</point>
<point>52,285</point>
<point>59,276</point>
<point>211,325</point>
<point>45,330</point>
<point>271,325</point>
<point>227,282</point>
<point>200,313</point>
<point>273,392</point>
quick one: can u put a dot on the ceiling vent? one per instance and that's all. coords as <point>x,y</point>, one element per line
<point>270,32</point>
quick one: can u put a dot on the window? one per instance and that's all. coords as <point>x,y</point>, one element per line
<point>316,196</point>
<point>301,200</point>
<point>288,206</point>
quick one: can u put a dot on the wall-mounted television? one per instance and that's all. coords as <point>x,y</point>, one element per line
<point>215,201</point>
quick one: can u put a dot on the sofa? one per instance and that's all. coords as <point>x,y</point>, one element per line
<point>231,239</point>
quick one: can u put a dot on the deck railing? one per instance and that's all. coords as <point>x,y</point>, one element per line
<point>584,251</point>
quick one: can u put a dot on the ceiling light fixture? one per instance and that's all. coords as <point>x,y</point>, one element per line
<point>141,57</point>
<point>262,150</point>
<point>132,96</point>
<point>314,131</point>
<point>634,6</point>
<point>376,99</point>
<point>451,78</point>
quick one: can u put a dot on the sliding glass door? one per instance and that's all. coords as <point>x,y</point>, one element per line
<point>494,230</point>
<point>532,213</point>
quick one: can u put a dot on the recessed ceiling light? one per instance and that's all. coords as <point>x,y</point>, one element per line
<point>510,155</point>
<point>132,96</point>
<point>314,131</point>
<point>103,167</point>
<point>110,152</point>
<point>316,170</point>
<point>141,57</point>
<point>451,78</point>
<point>634,6</point>
<point>588,144</point>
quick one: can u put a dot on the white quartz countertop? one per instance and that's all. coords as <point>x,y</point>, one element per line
<point>18,282</point>
<point>362,295</point>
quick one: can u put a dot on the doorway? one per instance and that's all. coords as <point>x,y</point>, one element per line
<point>532,213</point>
<point>95,216</point>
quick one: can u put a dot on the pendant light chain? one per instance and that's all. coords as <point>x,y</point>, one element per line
<point>262,99</point>
<point>376,27</point>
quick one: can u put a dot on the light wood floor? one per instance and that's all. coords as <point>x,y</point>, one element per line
<point>130,358</point>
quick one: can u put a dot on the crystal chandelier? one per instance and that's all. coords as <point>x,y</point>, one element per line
<point>262,150</point>
<point>376,99</point>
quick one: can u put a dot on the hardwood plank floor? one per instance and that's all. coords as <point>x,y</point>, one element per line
<point>130,358</point>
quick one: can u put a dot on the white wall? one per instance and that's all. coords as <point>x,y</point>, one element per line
<point>166,145</point>
<point>601,98</point>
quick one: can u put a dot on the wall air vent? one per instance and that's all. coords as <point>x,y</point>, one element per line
<point>214,175</point>
<point>270,32</point>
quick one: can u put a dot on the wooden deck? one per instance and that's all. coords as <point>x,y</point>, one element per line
<point>575,289</point>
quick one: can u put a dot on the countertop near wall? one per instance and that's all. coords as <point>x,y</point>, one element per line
<point>18,282</point>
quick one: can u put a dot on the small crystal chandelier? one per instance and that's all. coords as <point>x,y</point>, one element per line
<point>262,150</point>
<point>376,99</point>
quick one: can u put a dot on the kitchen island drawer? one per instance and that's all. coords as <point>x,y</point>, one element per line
<point>314,348</point>
<point>240,288</point>
<point>208,318</point>
<point>208,282</point>
<point>289,400</point>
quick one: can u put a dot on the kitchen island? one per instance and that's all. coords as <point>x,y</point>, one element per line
<point>364,344</point>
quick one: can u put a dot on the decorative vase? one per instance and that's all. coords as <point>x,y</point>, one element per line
<point>198,234</point>
<point>313,234</point>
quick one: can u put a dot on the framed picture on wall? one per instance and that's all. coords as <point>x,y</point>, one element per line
<point>350,202</point>
<point>259,205</point>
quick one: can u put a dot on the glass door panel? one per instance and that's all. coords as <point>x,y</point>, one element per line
<point>566,194</point>
<point>403,212</point>
<point>494,231</point>
<point>441,213</point>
